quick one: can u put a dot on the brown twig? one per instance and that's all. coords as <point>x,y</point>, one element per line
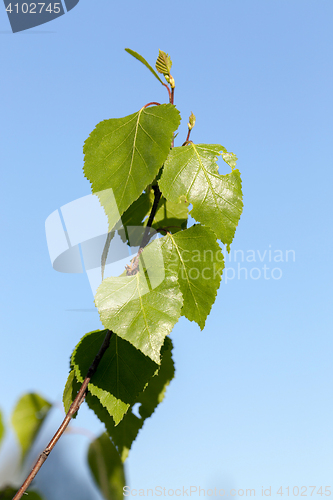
<point>172,97</point>
<point>72,410</point>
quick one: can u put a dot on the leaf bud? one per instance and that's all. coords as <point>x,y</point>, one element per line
<point>191,122</point>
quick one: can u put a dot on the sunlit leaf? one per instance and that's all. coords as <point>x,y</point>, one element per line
<point>125,155</point>
<point>198,260</point>
<point>142,308</point>
<point>192,171</point>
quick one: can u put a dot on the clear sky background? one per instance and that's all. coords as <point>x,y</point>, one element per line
<point>251,404</point>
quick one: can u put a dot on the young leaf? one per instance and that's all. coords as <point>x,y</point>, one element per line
<point>197,258</point>
<point>122,373</point>
<point>163,63</point>
<point>191,121</point>
<point>28,417</point>
<point>125,155</point>
<point>2,428</point>
<point>143,60</point>
<point>142,308</point>
<point>107,468</point>
<point>192,171</point>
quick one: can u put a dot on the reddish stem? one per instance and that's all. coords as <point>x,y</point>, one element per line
<point>170,97</point>
<point>152,104</point>
<point>188,136</point>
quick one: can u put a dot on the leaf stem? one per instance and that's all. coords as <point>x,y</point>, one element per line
<point>170,94</point>
<point>72,410</point>
<point>151,104</point>
<point>188,136</point>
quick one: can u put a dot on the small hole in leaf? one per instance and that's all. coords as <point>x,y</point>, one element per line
<point>135,410</point>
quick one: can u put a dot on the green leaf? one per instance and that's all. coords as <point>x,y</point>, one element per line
<point>28,417</point>
<point>9,492</point>
<point>124,434</point>
<point>192,171</point>
<point>2,428</point>
<point>143,60</point>
<point>125,155</point>
<point>163,63</point>
<point>197,258</point>
<point>122,373</point>
<point>107,468</point>
<point>142,308</point>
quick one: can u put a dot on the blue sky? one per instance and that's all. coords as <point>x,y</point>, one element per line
<point>251,404</point>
